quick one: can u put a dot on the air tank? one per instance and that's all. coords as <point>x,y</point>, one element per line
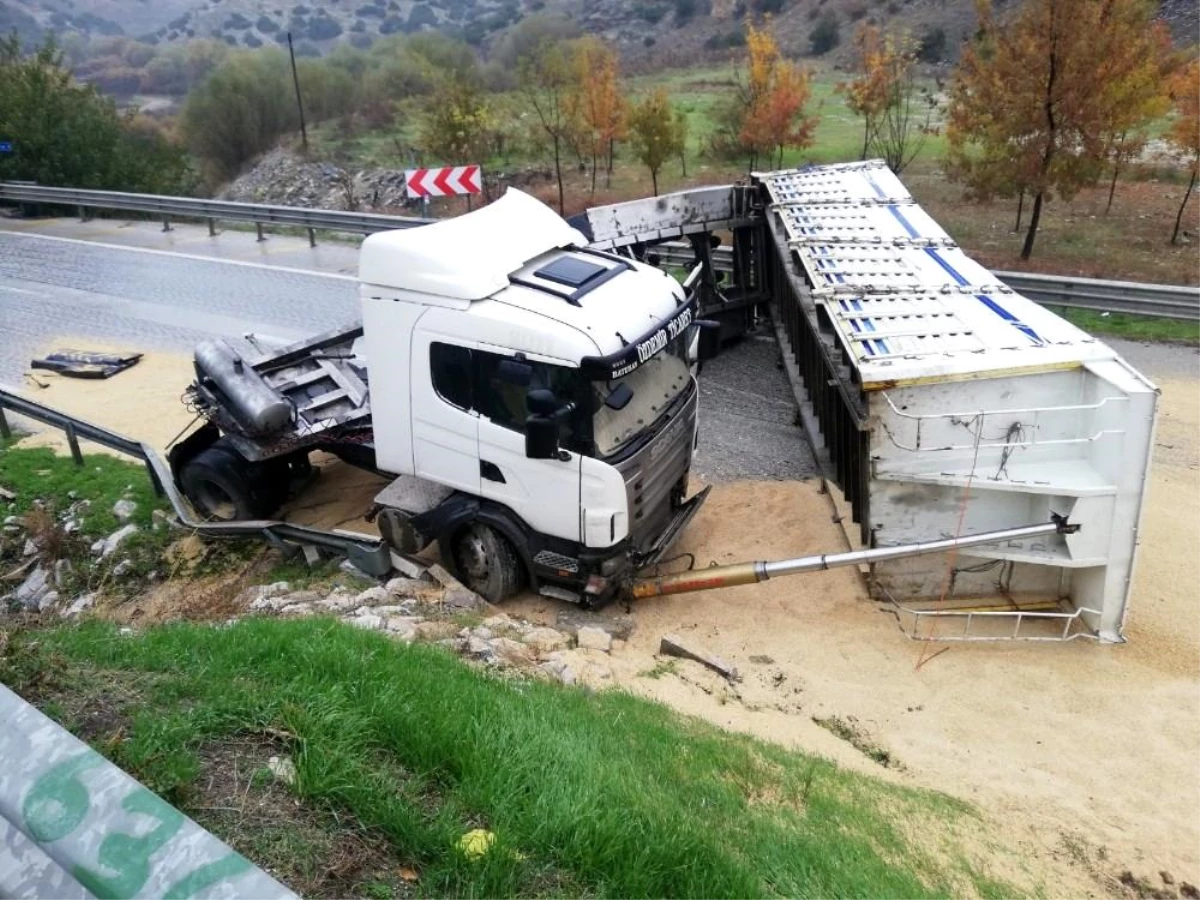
<point>252,401</point>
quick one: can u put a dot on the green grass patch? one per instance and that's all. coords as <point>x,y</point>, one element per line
<point>587,794</point>
<point>1134,328</point>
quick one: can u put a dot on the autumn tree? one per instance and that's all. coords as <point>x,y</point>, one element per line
<point>1034,97</point>
<point>867,92</point>
<point>655,133</point>
<point>1140,96</point>
<point>1185,131</point>
<point>546,82</point>
<point>775,94</point>
<point>598,105</point>
<point>457,125</point>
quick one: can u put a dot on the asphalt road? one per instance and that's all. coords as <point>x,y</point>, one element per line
<point>141,300</point>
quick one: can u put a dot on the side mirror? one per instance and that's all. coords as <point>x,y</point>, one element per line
<point>710,340</point>
<point>541,402</point>
<point>541,437</point>
<point>513,371</point>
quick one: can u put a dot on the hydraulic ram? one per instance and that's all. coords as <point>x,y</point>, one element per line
<point>754,572</point>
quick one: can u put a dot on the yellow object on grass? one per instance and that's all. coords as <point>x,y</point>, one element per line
<point>475,844</point>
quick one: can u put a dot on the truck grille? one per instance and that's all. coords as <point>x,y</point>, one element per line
<point>652,473</point>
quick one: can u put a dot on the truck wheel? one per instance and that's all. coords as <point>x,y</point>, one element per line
<point>484,561</point>
<point>225,486</point>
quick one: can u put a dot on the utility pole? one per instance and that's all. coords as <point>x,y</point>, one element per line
<point>299,99</point>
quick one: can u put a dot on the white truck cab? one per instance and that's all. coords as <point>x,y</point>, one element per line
<point>535,399</point>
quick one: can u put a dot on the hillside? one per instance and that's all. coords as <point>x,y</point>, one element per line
<point>662,32</point>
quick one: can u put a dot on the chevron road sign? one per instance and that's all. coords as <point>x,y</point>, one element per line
<point>444,182</point>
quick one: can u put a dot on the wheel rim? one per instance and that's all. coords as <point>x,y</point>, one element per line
<point>216,502</point>
<point>472,558</point>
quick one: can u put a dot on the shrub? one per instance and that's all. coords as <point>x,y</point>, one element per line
<point>825,35</point>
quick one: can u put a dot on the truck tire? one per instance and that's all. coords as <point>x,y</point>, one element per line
<point>225,486</point>
<point>484,561</point>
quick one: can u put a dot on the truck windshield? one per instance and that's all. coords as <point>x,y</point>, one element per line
<point>655,385</point>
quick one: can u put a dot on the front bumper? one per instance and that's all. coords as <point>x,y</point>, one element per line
<point>678,522</point>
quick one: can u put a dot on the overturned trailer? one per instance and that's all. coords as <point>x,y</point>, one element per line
<point>941,401</point>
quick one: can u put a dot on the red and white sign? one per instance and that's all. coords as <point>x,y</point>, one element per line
<point>443,182</point>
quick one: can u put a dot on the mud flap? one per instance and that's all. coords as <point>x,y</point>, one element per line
<point>674,528</point>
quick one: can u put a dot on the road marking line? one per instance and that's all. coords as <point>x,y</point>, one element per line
<point>5,287</point>
<point>195,256</point>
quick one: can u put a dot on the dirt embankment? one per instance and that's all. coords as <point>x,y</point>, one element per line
<point>1081,756</point>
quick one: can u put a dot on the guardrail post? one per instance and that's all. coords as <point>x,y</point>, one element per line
<point>5,431</point>
<point>258,227</point>
<point>212,227</point>
<point>312,237</point>
<point>166,224</point>
<point>73,443</point>
<point>83,216</point>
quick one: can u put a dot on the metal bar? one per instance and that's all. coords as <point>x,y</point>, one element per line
<point>369,554</point>
<point>752,572</point>
<point>312,237</point>
<point>5,431</point>
<point>73,443</point>
<point>259,229</point>
<point>212,227</point>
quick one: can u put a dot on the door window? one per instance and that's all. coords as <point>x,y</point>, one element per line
<point>502,401</point>
<point>450,370</point>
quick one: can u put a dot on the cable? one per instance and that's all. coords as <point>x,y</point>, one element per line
<point>950,571</point>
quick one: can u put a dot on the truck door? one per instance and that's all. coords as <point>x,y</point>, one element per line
<point>543,492</point>
<point>444,425</point>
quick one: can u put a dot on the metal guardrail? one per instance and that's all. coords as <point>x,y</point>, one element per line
<point>1157,300</point>
<point>368,554</point>
<point>168,208</point>
<point>1164,301</point>
<point>73,825</point>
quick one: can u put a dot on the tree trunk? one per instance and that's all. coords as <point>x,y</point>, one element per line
<point>1183,205</point>
<point>1034,218</point>
<point>654,180</point>
<point>1020,209</point>
<point>593,171</point>
<point>866,136</point>
<point>558,175</point>
<point>1112,186</point>
<point>683,162</point>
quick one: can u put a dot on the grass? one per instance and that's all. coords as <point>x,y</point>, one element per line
<point>407,748</point>
<point>1134,328</point>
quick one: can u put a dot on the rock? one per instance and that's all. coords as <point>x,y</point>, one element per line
<point>618,645</point>
<point>7,496</point>
<point>351,569</point>
<point>283,769</point>
<point>433,630</point>
<point>572,619</point>
<point>70,526</point>
<point>161,517</point>
<point>405,566</point>
<point>47,601</point>
<point>1188,891</point>
<point>337,602</point>
<point>484,634</point>
<point>10,529</point>
<point>402,628</point>
<point>591,638</point>
<point>109,545</point>
<point>546,640</point>
<point>124,510</point>
<point>297,609</point>
<point>513,653</point>
<point>33,588</point>
<point>15,521</point>
<point>30,549</point>
<point>560,670</point>
<point>371,622</point>
<point>395,609</point>
<point>673,645</point>
<point>80,507</point>
<point>123,568</point>
<point>503,624</point>
<point>279,601</point>
<point>405,587</point>
<point>371,596</point>
<point>463,599</point>
<point>479,649</point>
<point>79,604</point>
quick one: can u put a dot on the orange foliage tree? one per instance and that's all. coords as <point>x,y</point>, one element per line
<point>867,93</point>
<point>775,95</point>
<point>597,101</point>
<point>1185,131</point>
<point>1037,96</point>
